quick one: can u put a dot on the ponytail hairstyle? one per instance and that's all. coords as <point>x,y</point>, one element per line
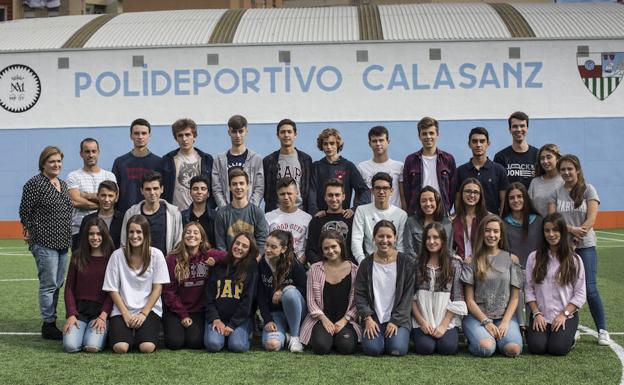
<point>578,191</point>
<point>145,252</point>
<point>241,267</point>
<point>286,259</point>
<point>568,271</point>
<point>444,259</point>
<point>460,206</point>
<point>527,207</point>
<point>480,254</point>
<point>82,256</point>
<point>552,148</point>
<point>182,254</point>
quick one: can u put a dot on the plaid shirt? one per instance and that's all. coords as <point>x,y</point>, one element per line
<point>413,176</point>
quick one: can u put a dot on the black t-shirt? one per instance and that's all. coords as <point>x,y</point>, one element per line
<point>520,166</point>
<point>236,160</point>
<point>158,228</point>
<point>328,222</point>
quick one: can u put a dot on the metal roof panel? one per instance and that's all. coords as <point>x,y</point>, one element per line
<point>40,33</point>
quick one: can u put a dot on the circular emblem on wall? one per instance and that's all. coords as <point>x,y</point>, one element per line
<point>20,88</point>
<point>590,65</point>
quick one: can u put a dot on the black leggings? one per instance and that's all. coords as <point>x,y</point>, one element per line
<point>322,342</point>
<point>178,337</point>
<point>148,332</point>
<point>557,343</point>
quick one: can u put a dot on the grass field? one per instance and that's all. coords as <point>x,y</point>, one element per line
<point>27,359</point>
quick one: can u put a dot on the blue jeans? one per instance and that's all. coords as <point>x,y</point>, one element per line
<point>51,266</point>
<point>590,263</point>
<point>396,345</point>
<point>84,336</point>
<point>294,311</point>
<point>237,341</point>
<point>475,333</point>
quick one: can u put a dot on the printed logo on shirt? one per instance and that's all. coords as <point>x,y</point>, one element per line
<point>288,171</point>
<point>338,226</point>
<point>340,174</point>
<point>198,270</point>
<point>186,173</point>
<point>568,206</point>
<point>135,173</point>
<point>227,289</point>
<point>521,170</point>
<point>240,226</point>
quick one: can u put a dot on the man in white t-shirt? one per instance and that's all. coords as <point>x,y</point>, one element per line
<point>366,217</point>
<point>429,166</point>
<point>82,185</point>
<point>379,140</point>
<point>289,217</point>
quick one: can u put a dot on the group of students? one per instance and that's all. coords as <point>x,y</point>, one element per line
<point>372,273</point>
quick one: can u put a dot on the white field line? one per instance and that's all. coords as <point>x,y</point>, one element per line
<point>610,233</point>
<point>5,254</point>
<point>610,239</point>
<point>617,349</point>
<point>19,334</point>
<point>18,279</point>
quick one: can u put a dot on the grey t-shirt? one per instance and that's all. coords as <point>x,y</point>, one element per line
<point>576,216</point>
<point>541,190</point>
<point>230,221</point>
<point>288,165</point>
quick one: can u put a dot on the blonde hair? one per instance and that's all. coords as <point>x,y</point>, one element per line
<point>480,255</point>
<point>326,133</point>
<point>182,255</point>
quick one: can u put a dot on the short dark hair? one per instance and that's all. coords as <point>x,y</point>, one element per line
<point>427,122</point>
<point>284,122</point>
<point>140,122</point>
<point>200,179</point>
<point>479,131</point>
<point>519,115</point>
<point>333,182</point>
<point>183,124</point>
<point>378,131</point>
<point>109,185</point>
<point>151,176</point>
<point>381,176</point>
<point>237,171</point>
<point>285,182</point>
<point>86,140</point>
<point>237,122</point>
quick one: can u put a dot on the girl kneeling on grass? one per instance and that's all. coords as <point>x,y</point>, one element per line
<point>555,290</point>
<point>439,298</point>
<point>87,305</point>
<point>230,295</point>
<point>185,299</point>
<point>330,295</point>
<point>383,295</point>
<point>134,278</point>
<point>280,292</point>
<point>492,281</point>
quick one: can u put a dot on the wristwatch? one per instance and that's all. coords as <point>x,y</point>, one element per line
<point>348,317</point>
<point>566,313</point>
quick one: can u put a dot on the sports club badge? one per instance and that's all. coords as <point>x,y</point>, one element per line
<point>601,72</point>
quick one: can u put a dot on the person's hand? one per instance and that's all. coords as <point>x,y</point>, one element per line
<point>320,213</point>
<point>210,261</point>
<point>99,325</point>
<point>71,321</point>
<point>218,326</point>
<point>492,329</point>
<point>468,259</point>
<point>391,330</point>
<point>137,320</point>
<point>328,325</point>
<point>371,329</point>
<point>439,331</point>
<point>186,322</point>
<point>340,324</point>
<point>270,327</point>
<point>127,318</point>
<point>26,235</point>
<point>503,326</point>
<point>558,323</point>
<point>426,327</point>
<point>277,297</point>
<point>578,232</point>
<point>227,331</point>
<point>348,213</point>
<point>539,323</point>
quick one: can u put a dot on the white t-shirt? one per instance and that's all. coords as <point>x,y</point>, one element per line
<point>187,166</point>
<point>133,288</point>
<point>369,168</point>
<point>297,223</point>
<point>87,182</point>
<point>384,287</point>
<point>430,176</point>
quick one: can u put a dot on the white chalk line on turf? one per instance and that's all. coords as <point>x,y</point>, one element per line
<point>18,279</point>
<point>19,334</point>
<point>610,233</point>
<point>600,238</point>
<point>617,349</point>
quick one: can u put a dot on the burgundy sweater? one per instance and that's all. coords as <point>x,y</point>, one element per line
<point>86,285</point>
<point>188,296</point>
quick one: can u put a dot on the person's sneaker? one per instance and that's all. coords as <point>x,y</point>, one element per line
<point>295,345</point>
<point>603,338</point>
<point>49,331</point>
<point>287,338</point>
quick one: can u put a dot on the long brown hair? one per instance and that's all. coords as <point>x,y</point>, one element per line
<point>440,210</point>
<point>145,252</point>
<point>336,236</point>
<point>82,256</point>
<point>460,206</point>
<point>527,206</point>
<point>568,272</point>
<point>445,258</point>
<point>578,191</point>
<point>181,252</point>
<point>554,149</point>
<point>286,259</point>
<point>241,267</point>
<point>482,265</point>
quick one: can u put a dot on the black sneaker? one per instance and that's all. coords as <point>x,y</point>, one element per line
<point>49,331</point>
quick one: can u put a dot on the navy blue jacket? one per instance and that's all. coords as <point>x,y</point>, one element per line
<point>269,164</point>
<point>168,170</point>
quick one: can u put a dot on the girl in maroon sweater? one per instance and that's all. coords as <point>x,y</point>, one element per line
<point>86,304</point>
<point>184,297</point>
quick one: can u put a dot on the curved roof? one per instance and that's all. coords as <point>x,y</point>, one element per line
<point>407,22</point>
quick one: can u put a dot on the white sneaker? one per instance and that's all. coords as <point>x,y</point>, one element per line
<point>295,345</point>
<point>603,338</point>
<point>577,335</point>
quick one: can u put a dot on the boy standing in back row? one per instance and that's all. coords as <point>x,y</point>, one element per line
<point>518,159</point>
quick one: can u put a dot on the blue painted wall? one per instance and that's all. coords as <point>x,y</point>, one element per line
<point>597,141</point>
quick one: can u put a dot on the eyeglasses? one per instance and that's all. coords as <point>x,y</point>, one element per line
<point>472,192</point>
<point>382,188</point>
